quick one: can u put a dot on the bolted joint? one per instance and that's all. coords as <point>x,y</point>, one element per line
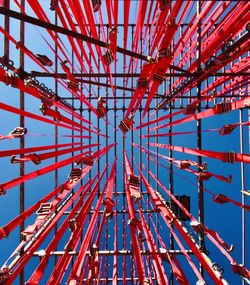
<point>73,224</point>
<point>3,233</point>
<point>240,269</point>
<point>93,249</point>
<point>217,267</point>
<point>2,191</point>
<point>134,222</point>
<point>5,274</point>
<point>198,227</point>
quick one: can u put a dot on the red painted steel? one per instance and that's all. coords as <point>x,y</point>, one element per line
<point>121,221</point>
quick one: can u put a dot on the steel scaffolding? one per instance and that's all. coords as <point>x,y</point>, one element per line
<point>127,136</point>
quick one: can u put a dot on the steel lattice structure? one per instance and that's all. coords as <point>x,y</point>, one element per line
<point>125,142</point>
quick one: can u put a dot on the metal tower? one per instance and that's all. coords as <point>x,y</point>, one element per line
<point>124,146</point>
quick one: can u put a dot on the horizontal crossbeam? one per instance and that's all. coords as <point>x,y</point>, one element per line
<point>132,75</point>
<point>112,252</point>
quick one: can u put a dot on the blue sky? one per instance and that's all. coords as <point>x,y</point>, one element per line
<point>225,219</point>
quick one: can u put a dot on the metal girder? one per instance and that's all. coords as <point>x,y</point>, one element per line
<point>111,252</point>
<point>118,212</point>
<point>42,24</point>
<point>109,86</point>
<point>118,75</point>
<point>132,75</point>
<point>157,95</point>
<point>37,22</point>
